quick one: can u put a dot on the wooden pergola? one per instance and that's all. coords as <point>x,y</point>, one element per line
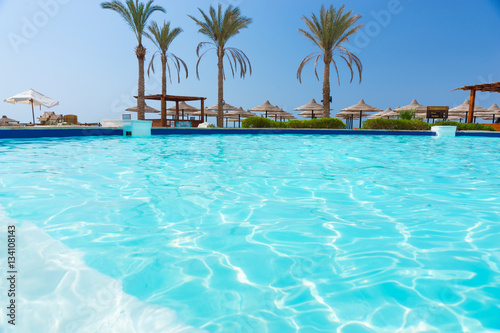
<point>486,87</point>
<point>176,99</point>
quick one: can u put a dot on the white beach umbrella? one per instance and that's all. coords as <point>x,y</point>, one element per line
<point>34,98</point>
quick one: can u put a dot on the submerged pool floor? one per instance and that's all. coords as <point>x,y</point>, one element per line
<point>282,233</point>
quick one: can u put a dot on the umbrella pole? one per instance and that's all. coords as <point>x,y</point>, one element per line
<point>33,112</point>
<point>360,115</point>
<point>239,121</point>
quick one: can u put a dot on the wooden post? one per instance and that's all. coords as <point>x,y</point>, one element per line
<point>163,111</point>
<point>471,105</point>
<point>176,110</point>
<point>202,109</point>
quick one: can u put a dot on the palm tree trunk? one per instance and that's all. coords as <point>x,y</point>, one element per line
<point>164,75</point>
<point>326,87</point>
<point>141,54</point>
<point>220,65</point>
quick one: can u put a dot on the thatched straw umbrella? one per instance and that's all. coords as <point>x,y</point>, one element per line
<point>420,110</point>
<point>5,121</point>
<point>382,114</point>
<point>208,113</point>
<point>266,107</point>
<point>238,114</point>
<point>312,110</point>
<point>311,114</point>
<point>225,107</point>
<point>362,108</point>
<point>147,109</point>
<point>463,110</point>
<point>184,108</point>
<point>495,113</point>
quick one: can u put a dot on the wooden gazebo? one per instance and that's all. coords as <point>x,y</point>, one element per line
<point>176,99</point>
<point>485,87</point>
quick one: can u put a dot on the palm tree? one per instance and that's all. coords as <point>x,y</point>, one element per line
<point>219,28</point>
<point>332,29</point>
<point>162,38</point>
<point>136,14</point>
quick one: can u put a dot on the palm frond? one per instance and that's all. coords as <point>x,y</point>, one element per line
<point>305,61</point>
<point>329,31</point>
<point>219,27</point>
<point>151,64</point>
<point>135,13</point>
<point>162,37</point>
<point>199,59</point>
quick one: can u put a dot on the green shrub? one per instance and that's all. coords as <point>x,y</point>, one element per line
<point>257,122</point>
<point>396,124</point>
<point>465,126</point>
<point>407,114</point>
<point>260,122</point>
<point>330,123</point>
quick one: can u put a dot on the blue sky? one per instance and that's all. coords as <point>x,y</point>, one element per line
<point>82,55</point>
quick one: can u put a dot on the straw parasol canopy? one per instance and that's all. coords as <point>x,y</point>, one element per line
<point>494,113</point>
<point>311,114</point>
<point>312,110</point>
<point>494,108</point>
<point>208,113</point>
<point>237,114</point>
<point>5,121</point>
<point>463,110</point>
<point>391,113</point>
<point>266,107</point>
<point>225,107</point>
<point>360,109</point>
<point>240,112</point>
<point>381,114</point>
<point>413,105</point>
<point>286,115</point>
<point>183,106</point>
<point>311,106</point>
<point>361,106</point>
<point>280,113</point>
<point>354,115</point>
<point>455,118</point>
<point>147,109</point>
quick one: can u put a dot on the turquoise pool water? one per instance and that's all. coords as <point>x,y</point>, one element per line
<point>277,233</point>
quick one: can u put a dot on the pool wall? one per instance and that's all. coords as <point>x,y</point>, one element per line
<point>10,132</point>
<point>21,133</point>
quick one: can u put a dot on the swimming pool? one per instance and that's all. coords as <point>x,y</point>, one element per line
<point>276,233</point>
